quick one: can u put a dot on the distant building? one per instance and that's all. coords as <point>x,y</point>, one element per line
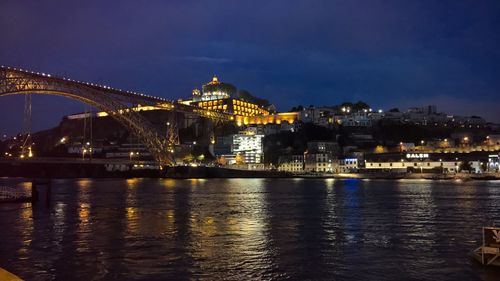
<point>412,162</point>
<point>348,165</point>
<point>219,96</point>
<point>291,163</point>
<point>273,128</point>
<point>358,119</point>
<point>406,146</point>
<point>329,147</point>
<point>493,164</point>
<point>245,147</point>
<point>320,116</point>
<point>318,162</point>
<point>493,139</point>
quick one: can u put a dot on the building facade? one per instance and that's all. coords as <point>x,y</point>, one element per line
<point>291,164</point>
<point>243,148</point>
<point>318,163</point>
<point>219,96</point>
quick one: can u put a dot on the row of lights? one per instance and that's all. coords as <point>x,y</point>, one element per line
<point>348,110</point>
<point>86,83</point>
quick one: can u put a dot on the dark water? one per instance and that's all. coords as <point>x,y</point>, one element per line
<point>251,229</point>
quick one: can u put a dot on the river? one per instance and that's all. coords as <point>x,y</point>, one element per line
<point>250,229</point>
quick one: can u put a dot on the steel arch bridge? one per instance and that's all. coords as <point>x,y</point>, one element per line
<point>117,103</point>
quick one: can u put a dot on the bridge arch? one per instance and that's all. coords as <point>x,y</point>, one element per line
<point>112,101</point>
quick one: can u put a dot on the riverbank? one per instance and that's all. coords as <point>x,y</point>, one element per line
<point>391,176</point>
<point>94,170</point>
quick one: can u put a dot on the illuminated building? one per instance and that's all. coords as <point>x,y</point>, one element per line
<point>219,96</point>
<point>493,164</point>
<point>416,166</point>
<point>348,165</point>
<point>320,155</point>
<point>291,163</point>
<point>414,162</point>
<point>246,146</point>
<point>318,162</point>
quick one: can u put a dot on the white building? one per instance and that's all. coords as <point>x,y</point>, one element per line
<point>245,147</point>
<point>493,163</point>
<point>412,165</point>
<point>250,146</point>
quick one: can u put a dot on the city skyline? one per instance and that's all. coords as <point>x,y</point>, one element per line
<point>389,54</point>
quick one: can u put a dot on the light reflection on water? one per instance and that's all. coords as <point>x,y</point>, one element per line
<point>242,229</point>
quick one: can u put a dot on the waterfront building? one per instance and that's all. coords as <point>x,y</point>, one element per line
<point>493,164</point>
<point>318,162</point>
<point>249,145</point>
<point>412,166</point>
<point>347,165</point>
<point>412,162</point>
<point>320,155</point>
<point>245,147</point>
<point>291,163</point>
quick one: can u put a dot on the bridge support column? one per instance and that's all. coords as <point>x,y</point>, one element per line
<point>41,188</point>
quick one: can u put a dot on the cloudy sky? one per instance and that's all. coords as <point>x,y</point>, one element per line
<point>388,53</point>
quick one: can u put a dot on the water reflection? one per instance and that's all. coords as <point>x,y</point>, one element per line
<point>140,229</point>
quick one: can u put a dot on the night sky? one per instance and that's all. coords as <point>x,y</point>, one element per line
<point>387,53</point>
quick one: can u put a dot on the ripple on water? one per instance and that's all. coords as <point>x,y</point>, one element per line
<point>251,229</point>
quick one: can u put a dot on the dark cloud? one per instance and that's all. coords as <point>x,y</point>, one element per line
<point>288,51</point>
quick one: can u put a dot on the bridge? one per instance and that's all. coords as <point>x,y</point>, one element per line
<point>115,102</point>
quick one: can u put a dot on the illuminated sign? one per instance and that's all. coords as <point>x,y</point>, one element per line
<point>417,155</point>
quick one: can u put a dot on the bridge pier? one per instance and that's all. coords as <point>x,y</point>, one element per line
<point>41,188</point>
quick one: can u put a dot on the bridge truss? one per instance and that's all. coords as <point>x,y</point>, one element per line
<point>116,103</point>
